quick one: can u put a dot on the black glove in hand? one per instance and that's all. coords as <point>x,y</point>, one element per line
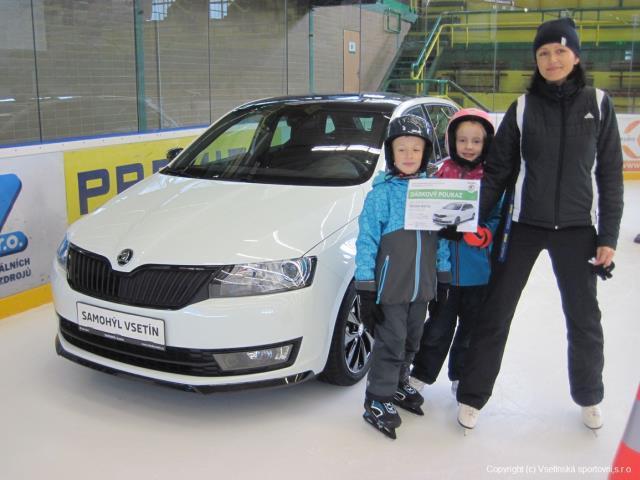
<point>602,271</point>
<point>370,312</point>
<point>450,233</point>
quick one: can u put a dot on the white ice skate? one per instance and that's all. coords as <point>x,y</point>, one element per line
<point>417,385</point>
<point>592,417</point>
<point>467,417</point>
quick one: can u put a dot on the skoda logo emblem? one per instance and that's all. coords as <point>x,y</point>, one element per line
<point>125,256</point>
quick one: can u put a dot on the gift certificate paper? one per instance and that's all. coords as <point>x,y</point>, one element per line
<point>435,203</point>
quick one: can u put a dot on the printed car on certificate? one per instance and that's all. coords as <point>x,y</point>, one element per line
<point>233,266</point>
<point>454,213</point>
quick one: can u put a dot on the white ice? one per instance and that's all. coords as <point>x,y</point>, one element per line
<point>60,420</point>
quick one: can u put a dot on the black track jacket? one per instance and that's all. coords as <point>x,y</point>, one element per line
<point>568,171</point>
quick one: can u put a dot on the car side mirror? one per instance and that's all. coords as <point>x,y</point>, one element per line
<point>173,152</point>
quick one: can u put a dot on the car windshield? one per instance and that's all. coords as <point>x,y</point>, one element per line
<point>323,144</point>
<point>453,206</point>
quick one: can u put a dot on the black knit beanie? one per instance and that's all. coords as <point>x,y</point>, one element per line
<point>562,30</point>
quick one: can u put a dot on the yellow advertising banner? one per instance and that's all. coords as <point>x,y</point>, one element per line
<point>95,175</point>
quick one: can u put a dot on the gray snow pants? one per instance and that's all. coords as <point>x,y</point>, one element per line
<point>397,342</point>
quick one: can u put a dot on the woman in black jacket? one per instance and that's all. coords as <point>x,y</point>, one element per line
<point>557,153</point>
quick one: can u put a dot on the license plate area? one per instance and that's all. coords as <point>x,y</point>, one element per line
<point>124,327</point>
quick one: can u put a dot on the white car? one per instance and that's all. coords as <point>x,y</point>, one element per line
<point>454,213</point>
<point>233,266</point>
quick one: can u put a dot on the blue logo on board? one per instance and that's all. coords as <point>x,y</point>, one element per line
<point>12,242</point>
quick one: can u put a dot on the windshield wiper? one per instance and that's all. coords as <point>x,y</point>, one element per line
<point>179,172</point>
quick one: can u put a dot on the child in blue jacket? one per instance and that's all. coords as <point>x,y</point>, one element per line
<point>396,274</point>
<point>469,134</point>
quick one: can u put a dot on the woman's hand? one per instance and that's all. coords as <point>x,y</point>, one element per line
<point>604,256</point>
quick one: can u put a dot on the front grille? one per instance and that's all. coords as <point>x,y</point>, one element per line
<point>185,361</point>
<point>156,286</point>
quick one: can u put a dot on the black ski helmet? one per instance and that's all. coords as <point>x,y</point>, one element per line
<point>411,125</point>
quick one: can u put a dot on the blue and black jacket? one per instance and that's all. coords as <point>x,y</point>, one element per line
<point>403,266</point>
<point>471,266</point>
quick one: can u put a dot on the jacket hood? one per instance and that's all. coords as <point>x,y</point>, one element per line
<point>558,92</point>
<point>380,178</point>
<point>571,86</point>
<point>383,177</point>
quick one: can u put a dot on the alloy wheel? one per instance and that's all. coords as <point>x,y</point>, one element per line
<point>358,341</point>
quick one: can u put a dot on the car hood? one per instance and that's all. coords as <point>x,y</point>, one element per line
<point>184,221</point>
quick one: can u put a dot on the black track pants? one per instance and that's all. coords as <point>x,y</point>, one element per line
<point>569,249</point>
<point>460,307</point>
<point>397,341</point>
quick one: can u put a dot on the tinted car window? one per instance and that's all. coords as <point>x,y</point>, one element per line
<point>439,116</point>
<point>295,144</point>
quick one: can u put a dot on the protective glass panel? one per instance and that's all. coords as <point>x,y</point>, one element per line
<point>19,119</point>
<point>85,68</point>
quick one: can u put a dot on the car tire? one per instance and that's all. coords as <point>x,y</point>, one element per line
<point>457,221</point>
<point>351,345</point>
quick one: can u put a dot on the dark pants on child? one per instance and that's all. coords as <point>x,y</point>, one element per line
<point>569,249</point>
<point>397,341</point>
<point>460,307</point>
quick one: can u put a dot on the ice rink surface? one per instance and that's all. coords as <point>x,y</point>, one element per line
<point>59,420</point>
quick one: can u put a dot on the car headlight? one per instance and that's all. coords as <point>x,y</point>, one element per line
<point>260,278</point>
<point>63,253</point>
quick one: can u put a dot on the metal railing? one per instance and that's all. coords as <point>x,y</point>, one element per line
<point>431,49</point>
<point>443,87</point>
<point>433,41</point>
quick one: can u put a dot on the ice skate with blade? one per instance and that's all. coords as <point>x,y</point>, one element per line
<point>417,384</point>
<point>592,418</point>
<point>408,398</point>
<point>383,416</point>
<point>467,417</point>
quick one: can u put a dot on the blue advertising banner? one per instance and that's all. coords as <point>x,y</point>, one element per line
<point>32,219</point>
